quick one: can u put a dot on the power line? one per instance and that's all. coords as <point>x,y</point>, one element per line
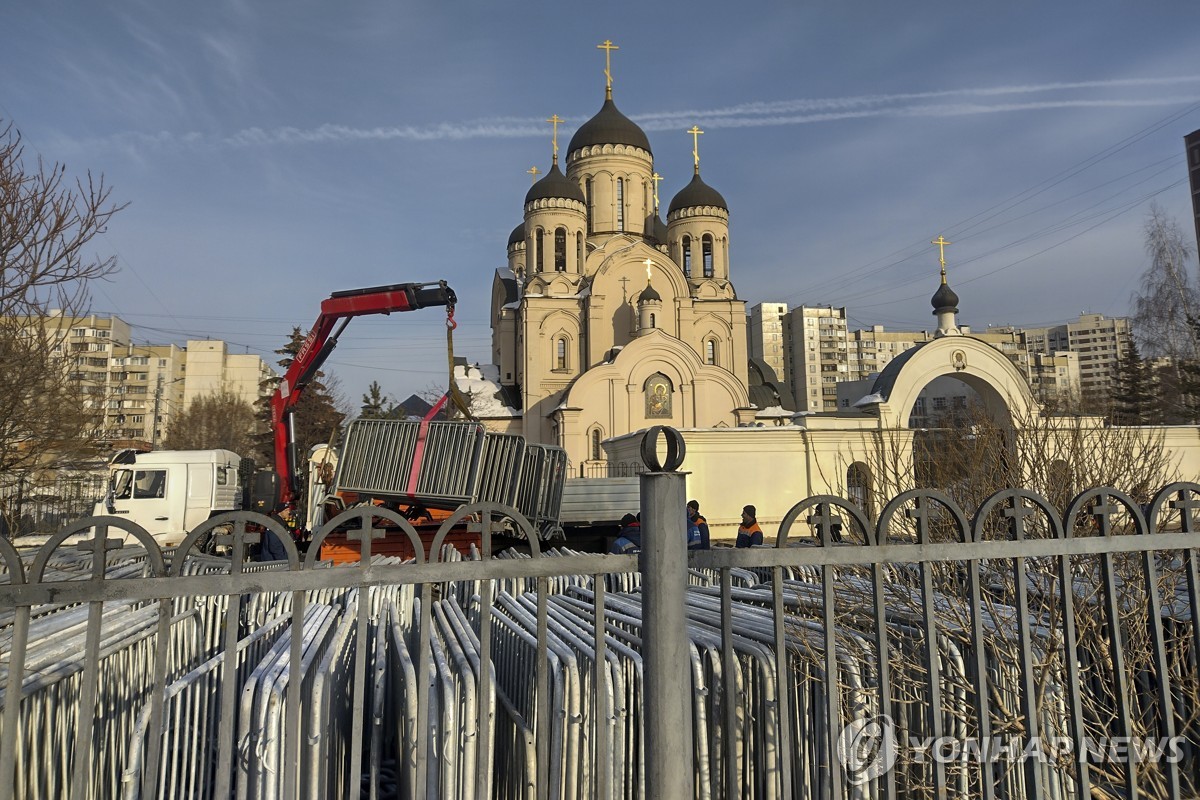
<point>957,230</point>
<point>1128,207</point>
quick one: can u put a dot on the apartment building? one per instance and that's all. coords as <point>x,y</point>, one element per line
<point>1099,343</point>
<point>136,389</point>
<point>1052,370</point>
<point>816,355</point>
<point>1054,376</point>
<point>820,353</point>
<point>766,337</point>
<point>166,379</point>
<point>872,350</point>
<point>88,344</point>
<point>211,368</point>
<point>144,391</point>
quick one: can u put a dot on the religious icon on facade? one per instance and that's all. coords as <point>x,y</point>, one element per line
<point>658,398</point>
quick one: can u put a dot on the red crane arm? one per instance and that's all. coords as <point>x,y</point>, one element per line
<point>339,307</point>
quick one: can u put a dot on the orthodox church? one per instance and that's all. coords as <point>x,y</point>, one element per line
<point>607,320</point>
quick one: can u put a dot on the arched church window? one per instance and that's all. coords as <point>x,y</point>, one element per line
<point>652,325</point>
<point>590,202</point>
<point>560,353</point>
<point>710,351</point>
<point>595,444</point>
<point>560,249</point>
<point>686,245</point>
<point>707,246</point>
<point>858,486</point>
<point>538,262</point>
<point>620,204</point>
<point>579,249</point>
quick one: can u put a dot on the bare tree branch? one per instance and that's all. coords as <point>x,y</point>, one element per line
<point>47,414</point>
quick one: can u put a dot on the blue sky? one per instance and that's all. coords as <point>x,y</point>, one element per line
<point>274,152</point>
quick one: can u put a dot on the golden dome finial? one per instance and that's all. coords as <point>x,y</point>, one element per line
<point>607,46</point>
<point>695,132</point>
<point>554,120</point>
<point>941,243</point>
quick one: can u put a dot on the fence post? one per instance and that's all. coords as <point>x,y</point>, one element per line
<point>666,662</point>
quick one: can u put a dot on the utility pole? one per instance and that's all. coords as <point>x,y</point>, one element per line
<point>154,420</point>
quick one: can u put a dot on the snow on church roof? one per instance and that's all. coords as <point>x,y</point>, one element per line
<point>482,384</point>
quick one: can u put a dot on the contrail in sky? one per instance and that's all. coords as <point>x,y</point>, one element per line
<point>960,102</point>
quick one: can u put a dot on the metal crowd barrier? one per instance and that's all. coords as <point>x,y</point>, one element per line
<point>389,459</point>
<point>543,476</point>
<point>534,675</point>
<point>453,464</point>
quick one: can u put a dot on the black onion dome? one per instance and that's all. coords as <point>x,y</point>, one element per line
<point>695,194</point>
<point>649,294</point>
<point>517,236</point>
<point>609,126</point>
<point>555,185</point>
<point>944,299</point>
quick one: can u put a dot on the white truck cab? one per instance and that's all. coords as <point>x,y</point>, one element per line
<point>170,492</point>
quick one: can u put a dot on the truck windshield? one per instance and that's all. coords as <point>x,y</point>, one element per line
<point>122,483</point>
<point>144,483</point>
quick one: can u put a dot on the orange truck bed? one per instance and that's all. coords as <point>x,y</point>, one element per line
<point>340,550</point>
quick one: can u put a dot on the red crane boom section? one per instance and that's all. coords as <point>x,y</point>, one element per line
<point>339,307</point>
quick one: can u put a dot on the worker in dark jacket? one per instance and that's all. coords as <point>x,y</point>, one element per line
<point>700,522</point>
<point>629,538</point>
<point>749,534</point>
<point>692,531</point>
<point>270,548</point>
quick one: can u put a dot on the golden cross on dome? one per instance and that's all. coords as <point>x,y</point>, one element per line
<point>941,243</point>
<point>534,172</point>
<point>554,120</point>
<point>656,178</point>
<point>607,46</point>
<point>695,132</point>
<point>648,264</point>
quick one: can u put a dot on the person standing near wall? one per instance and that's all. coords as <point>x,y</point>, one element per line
<point>749,534</point>
<point>691,531</point>
<point>700,522</point>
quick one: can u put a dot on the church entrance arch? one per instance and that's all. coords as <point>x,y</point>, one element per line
<point>959,402</point>
<point>958,437</point>
<point>1001,389</point>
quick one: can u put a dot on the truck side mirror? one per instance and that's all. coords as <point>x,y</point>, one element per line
<point>110,501</point>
